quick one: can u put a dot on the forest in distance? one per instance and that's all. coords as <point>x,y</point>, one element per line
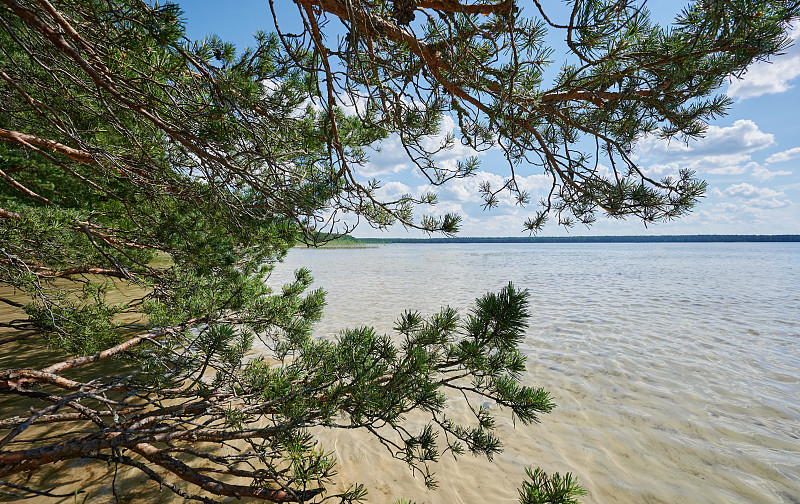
<point>350,240</point>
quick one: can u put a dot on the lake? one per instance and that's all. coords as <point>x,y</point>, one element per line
<point>675,366</point>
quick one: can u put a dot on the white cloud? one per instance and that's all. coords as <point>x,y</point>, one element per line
<point>723,164</point>
<point>762,174</point>
<point>784,156</point>
<point>468,189</point>
<point>658,170</point>
<point>722,151</point>
<point>603,170</point>
<point>761,197</point>
<point>457,151</point>
<point>742,137</point>
<point>719,214</point>
<point>375,171</point>
<point>392,191</point>
<point>493,223</point>
<point>447,207</point>
<point>352,105</point>
<point>391,157</point>
<point>769,77</point>
<point>533,184</point>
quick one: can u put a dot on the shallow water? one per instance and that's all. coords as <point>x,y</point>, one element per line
<point>676,367</point>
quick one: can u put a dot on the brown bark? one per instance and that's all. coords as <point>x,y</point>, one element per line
<point>156,456</point>
<point>454,6</point>
<point>27,460</point>
<point>88,359</point>
<point>20,378</point>
<point>34,141</point>
<point>41,270</point>
<point>76,155</point>
<point>5,214</point>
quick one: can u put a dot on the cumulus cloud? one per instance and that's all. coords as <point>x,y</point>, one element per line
<point>742,137</point>
<point>722,151</point>
<point>761,197</point>
<point>468,189</point>
<point>658,170</point>
<point>493,223</point>
<point>392,191</point>
<point>391,157</point>
<point>723,164</point>
<point>770,77</point>
<point>457,151</point>
<point>762,174</point>
<point>447,207</point>
<point>786,155</point>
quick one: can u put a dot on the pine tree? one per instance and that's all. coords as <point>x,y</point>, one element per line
<point>132,158</point>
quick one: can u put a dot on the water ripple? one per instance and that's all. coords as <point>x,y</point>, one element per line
<point>675,366</point>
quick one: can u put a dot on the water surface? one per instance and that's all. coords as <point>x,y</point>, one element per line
<point>675,366</point>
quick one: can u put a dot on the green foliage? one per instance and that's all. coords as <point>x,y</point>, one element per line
<point>373,382</point>
<point>577,118</point>
<point>78,323</point>
<point>552,489</point>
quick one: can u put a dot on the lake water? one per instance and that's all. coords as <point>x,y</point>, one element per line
<point>675,367</point>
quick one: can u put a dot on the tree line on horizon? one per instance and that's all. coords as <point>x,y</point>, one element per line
<point>581,239</point>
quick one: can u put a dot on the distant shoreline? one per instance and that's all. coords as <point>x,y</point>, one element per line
<point>588,239</point>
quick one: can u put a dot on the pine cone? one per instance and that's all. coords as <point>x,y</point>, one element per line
<point>403,11</point>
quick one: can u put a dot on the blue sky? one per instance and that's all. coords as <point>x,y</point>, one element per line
<point>750,158</point>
